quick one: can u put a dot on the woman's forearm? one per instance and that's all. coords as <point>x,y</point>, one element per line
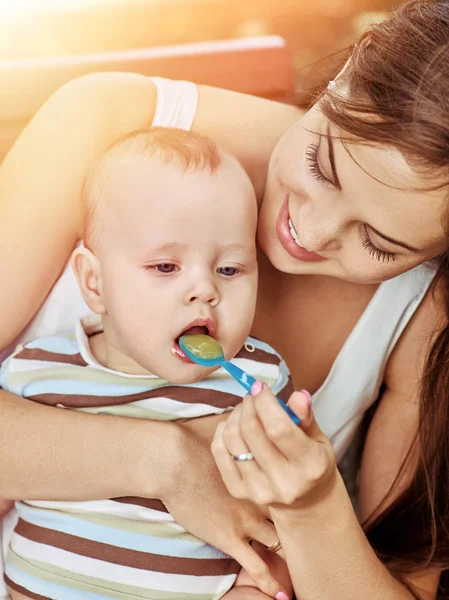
<point>329,556</point>
<point>49,453</point>
<point>58,454</point>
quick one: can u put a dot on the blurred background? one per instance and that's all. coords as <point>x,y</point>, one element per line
<point>313,29</point>
<point>45,43</point>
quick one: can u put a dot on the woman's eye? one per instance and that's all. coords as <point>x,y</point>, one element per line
<point>165,268</point>
<point>312,163</point>
<point>227,271</point>
<point>379,255</point>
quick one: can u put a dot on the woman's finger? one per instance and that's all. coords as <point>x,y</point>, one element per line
<point>256,568</point>
<point>266,535</point>
<point>232,438</point>
<point>226,464</point>
<point>289,439</point>
<point>301,404</point>
<point>265,452</point>
<point>237,456</point>
<point>244,479</point>
<point>283,479</point>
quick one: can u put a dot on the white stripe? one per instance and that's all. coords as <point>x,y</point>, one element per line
<point>17,365</point>
<point>255,368</point>
<point>108,507</point>
<point>262,346</point>
<point>62,344</point>
<point>91,567</point>
<point>176,407</point>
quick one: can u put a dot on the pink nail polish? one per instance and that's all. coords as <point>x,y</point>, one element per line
<point>281,596</point>
<point>256,388</point>
<point>308,397</point>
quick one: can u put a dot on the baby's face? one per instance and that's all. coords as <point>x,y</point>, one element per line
<point>177,251</point>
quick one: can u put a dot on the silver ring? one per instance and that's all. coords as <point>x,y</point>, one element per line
<point>243,457</point>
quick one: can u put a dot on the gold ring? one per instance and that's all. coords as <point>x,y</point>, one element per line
<point>276,546</point>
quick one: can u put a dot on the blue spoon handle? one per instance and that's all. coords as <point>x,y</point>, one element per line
<point>247,381</point>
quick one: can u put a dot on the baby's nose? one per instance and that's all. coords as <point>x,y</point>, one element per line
<point>205,292</point>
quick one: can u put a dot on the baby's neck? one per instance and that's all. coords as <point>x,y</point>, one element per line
<point>112,358</point>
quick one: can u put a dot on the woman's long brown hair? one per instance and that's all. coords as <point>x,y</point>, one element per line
<point>395,92</point>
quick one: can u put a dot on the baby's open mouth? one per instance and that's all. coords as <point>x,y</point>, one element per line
<point>193,329</point>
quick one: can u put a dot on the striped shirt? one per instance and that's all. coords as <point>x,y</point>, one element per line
<point>119,548</point>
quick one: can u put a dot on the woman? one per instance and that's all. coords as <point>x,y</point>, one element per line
<point>355,195</point>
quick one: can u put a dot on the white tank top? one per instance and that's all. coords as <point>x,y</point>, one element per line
<point>353,382</point>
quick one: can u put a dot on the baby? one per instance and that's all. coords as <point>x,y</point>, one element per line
<point>169,249</point>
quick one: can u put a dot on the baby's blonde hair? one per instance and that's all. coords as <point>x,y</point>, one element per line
<point>182,149</point>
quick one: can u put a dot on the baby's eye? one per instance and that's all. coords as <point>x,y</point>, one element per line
<point>165,267</point>
<point>227,271</point>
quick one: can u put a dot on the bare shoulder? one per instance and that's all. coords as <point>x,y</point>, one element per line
<point>126,101</point>
<point>246,126</point>
<point>408,358</point>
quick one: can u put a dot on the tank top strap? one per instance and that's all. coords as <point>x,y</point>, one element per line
<point>176,104</point>
<point>356,376</point>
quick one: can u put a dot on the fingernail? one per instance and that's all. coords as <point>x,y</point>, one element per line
<point>308,397</point>
<point>281,596</point>
<point>256,388</point>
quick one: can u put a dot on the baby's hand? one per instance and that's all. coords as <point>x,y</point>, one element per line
<point>5,507</point>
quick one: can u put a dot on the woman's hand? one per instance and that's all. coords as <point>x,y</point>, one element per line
<point>293,466</point>
<point>196,497</point>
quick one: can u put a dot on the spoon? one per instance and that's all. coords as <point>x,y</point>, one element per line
<point>207,352</point>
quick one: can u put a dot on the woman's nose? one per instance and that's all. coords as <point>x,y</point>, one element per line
<point>320,230</point>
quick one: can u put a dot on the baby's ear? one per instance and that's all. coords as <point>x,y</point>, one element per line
<point>87,269</point>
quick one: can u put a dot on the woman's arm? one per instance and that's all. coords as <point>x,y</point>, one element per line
<point>42,176</point>
<point>55,454</point>
<point>325,547</point>
<point>41,180</point>
<point>251,130</point>
<point>345,557</point>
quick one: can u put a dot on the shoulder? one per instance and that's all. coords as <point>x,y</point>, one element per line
<point>95,86</point>
<point>247,126</point>
<point>266,364</point>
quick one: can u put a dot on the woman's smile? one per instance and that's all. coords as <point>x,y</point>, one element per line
<point>288,237</point>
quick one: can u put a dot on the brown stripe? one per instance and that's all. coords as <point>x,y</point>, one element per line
<point>126,557</point>
<point>22,590</point>
<point>287,390</point>
<point>145,502</point>
<point>188,395</point>
<point>38,354</point>
<point>259,356</point>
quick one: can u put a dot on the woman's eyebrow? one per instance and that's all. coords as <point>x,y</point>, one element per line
<point>396,242</point>
<point>330,145</point>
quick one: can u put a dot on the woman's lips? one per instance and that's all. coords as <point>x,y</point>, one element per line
<point>287,241</point>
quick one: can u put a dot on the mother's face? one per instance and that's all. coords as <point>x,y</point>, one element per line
<point>352,213</point>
